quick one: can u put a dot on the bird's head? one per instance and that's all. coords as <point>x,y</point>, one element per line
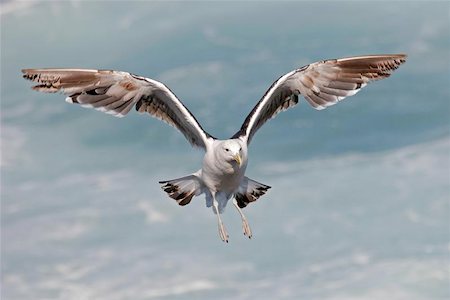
<point>231,150</point>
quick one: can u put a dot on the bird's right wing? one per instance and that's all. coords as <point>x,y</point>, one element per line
<point>116,92</point>
<point>322,84</point>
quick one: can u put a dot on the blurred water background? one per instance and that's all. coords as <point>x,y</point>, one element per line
<point>359,207</point>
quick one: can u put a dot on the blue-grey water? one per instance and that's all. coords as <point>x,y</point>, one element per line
<point>359,207</point>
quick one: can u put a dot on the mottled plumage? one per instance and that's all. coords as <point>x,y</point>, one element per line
<point>222,175</point>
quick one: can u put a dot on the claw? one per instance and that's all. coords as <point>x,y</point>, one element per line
<point>246,229</point>
<point>223,233</point>
<point>245,226</point>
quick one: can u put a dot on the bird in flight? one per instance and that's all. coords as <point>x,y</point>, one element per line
<point>222,175</point>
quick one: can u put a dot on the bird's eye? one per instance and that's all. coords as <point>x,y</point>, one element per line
<point>240,149</point>
<point>226,149</point>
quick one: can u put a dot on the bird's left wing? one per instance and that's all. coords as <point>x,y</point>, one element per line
<point>322,84</point>
<point>116,93</point>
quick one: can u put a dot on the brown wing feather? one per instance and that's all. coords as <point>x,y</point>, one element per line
<point>116,92</point>
<point>322,84</point>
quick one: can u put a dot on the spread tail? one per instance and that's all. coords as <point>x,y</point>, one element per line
<point>249,191</point>
<point>182,189</point>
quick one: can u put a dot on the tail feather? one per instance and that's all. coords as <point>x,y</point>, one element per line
<point>182,189</point>
<point>249,191</point>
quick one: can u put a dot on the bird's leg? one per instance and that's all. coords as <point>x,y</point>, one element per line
<point>245,226</point>
<point>222,232</point>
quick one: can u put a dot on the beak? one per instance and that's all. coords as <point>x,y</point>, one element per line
<point>238,159</point>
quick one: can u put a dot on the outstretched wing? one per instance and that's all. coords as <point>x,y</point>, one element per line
<point>322,84</point>
<point>116,93</point>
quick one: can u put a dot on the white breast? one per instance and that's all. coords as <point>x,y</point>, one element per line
<point>220,175</point>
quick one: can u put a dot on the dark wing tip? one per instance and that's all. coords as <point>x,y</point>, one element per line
<point>31,74</point>
<point>26,71</point>
<point>400,57</point>
<point>403,58</point>
<point>28,74</point>
<point>46,84</point>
